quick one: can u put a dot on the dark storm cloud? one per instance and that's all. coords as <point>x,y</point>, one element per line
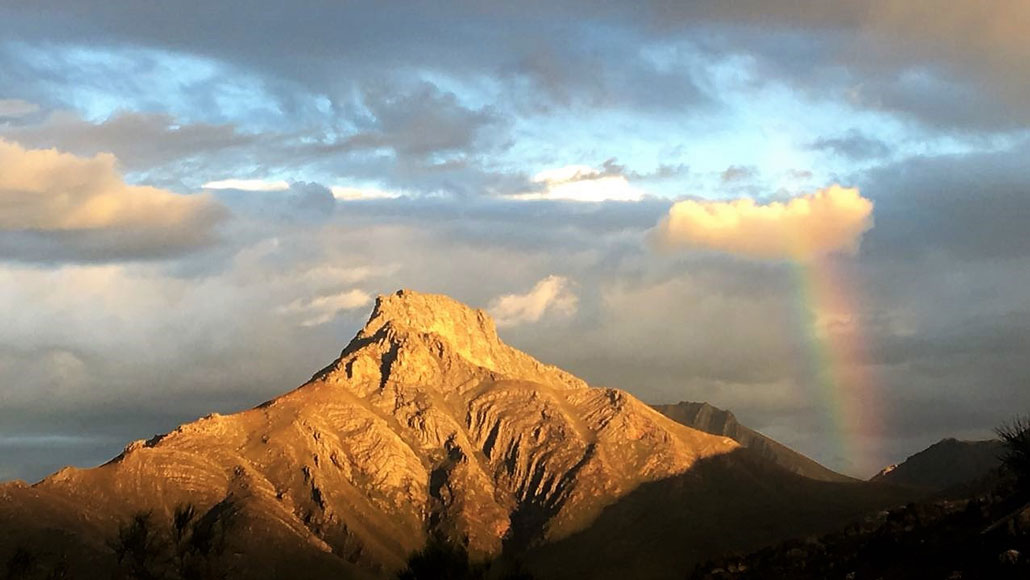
<point>140,141</point>
<point>971,206</point>
<point>986,337</point>
<point>334,47</point>
<point>109,245</point>
<point>853,145</point>
<point>955,65</point>
<point>395,136</point>
<point>416,123</point>
<point>301,203</point>
<point>598,66</point>
<point>970,377</point>
<point>514,224</point>
<point>854,69</point>
<point>942,277</point>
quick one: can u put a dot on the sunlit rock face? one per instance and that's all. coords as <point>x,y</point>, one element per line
<point>427,424</point>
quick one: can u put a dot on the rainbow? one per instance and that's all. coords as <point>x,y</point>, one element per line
<point>837,370</point>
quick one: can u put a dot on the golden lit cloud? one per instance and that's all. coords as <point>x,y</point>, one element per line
<point>552,294</point>
<point>45,190</point>
<point>828,221</point>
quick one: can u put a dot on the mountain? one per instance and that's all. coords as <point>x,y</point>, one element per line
<point>986,536</point>
<point>716,421</point>
<point>975,529</point>
<point>426,426</point>
<point>945,464</point>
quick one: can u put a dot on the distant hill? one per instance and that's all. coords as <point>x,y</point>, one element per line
<point>947,463</point>
<point>983,534</point>
<point>711,419</point>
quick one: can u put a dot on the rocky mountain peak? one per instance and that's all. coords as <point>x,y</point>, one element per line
<point>409,311</point>
<point>430,339</point>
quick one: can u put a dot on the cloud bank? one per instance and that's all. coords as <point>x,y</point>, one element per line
<point>55,205</point>
<point>831,220</point>
<point>552,294</point>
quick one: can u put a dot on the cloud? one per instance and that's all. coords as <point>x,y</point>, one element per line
<point>852,145</point>
<point>417,122</point>
<point>361,193</point>
<point>828,221</point>
<point>738,173</point>
<point>49,190</point>
<point>323,309</point>
<point>583,183</point>
<point>248,185</point>
<point>971,207</point>
<point>302,202</point>
<point>958,45</point>
<point>616,58</point>
<point>15,108</point>
<point>552,294</point>
<point>60,206</point>
<point>143,141</point>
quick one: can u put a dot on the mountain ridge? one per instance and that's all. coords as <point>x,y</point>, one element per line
<point>711,419</point>
<point>427,425</point>
<point>947,463</point>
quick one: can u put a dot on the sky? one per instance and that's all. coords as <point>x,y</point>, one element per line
<point>813,214</point>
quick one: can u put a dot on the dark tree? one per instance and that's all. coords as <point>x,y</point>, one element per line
<point>200,540</point>
<point>20,564</point>
<point>139,548</point>
<point>189,547</point>
<point>1015,435</point>
<point>442,559</point>
<point>517,571</point>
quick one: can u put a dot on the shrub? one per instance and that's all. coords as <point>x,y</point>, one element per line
<point>1015,436</point>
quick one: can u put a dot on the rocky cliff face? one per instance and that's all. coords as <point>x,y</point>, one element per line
<point>716,421</point>
<point>426,424</point>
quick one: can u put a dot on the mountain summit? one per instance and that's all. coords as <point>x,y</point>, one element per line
<point>428,425</point>
<point>410,337</point>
